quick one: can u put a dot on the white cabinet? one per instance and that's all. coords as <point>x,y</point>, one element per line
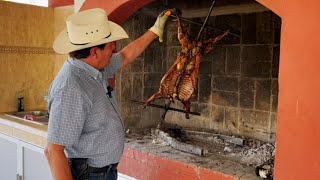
<point>22,161</point>
<point>8,159</point>
<point>35,164</point>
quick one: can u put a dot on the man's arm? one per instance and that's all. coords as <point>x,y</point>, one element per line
<point>135,48</point>
<point>58,162</point>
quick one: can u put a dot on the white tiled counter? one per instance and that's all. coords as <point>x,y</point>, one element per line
<point>22,150</point>
<point>22,130</point>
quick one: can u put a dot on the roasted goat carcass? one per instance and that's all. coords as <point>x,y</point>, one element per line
<point>181,80</point>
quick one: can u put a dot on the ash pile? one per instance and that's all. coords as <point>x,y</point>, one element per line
<point>250,152</point>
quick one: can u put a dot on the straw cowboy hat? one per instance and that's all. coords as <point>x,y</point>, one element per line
<point>87,29</point>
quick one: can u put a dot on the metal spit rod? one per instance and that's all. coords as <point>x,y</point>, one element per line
<point>163,115</point>
<point>199,24</point>
<point>205,21</point>
<point>166,108</point>
<point>163,107</point>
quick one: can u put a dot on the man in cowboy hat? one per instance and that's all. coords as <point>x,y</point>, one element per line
<point>85,131</point>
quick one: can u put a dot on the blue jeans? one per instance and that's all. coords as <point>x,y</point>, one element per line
<point>112,175</point>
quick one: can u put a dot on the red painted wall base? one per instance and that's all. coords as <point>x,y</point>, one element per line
<point>147,166</point>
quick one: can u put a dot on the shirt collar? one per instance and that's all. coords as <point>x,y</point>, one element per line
<point>86,67</point>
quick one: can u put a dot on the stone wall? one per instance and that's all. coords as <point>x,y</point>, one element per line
<point>238,81</point>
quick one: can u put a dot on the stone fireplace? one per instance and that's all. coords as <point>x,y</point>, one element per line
<point>297,113</point>
<point>237,90</point>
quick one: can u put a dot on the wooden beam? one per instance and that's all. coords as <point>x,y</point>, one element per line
<point>179,145</point>
<point>211,136</point>
<point>224,10</point>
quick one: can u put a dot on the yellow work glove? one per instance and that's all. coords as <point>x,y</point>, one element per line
<point>158,26</point>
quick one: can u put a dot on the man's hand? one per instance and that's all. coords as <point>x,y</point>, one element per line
<point>158,26</point>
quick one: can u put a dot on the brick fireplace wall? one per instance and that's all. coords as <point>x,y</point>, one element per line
<point>238,81</point>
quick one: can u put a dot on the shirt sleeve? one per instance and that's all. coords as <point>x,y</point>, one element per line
<point>67,113</point>
<point>114,66</point>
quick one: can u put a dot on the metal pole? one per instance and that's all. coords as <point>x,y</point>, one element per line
<point>199,24</point>
<point>163,116</point>
<point>163,107</point>
<point>205,21</point>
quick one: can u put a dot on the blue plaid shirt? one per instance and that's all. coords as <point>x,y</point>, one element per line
<point>82,117</point>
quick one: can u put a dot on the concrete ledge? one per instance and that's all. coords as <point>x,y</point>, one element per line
<point>144,160</point>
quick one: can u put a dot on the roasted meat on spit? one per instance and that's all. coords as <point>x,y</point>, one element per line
<point>181,80</point>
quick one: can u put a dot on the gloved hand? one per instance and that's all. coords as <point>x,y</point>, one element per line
<point>158,26</point>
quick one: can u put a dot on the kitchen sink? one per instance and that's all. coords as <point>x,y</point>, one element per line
<point>38,117</point>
